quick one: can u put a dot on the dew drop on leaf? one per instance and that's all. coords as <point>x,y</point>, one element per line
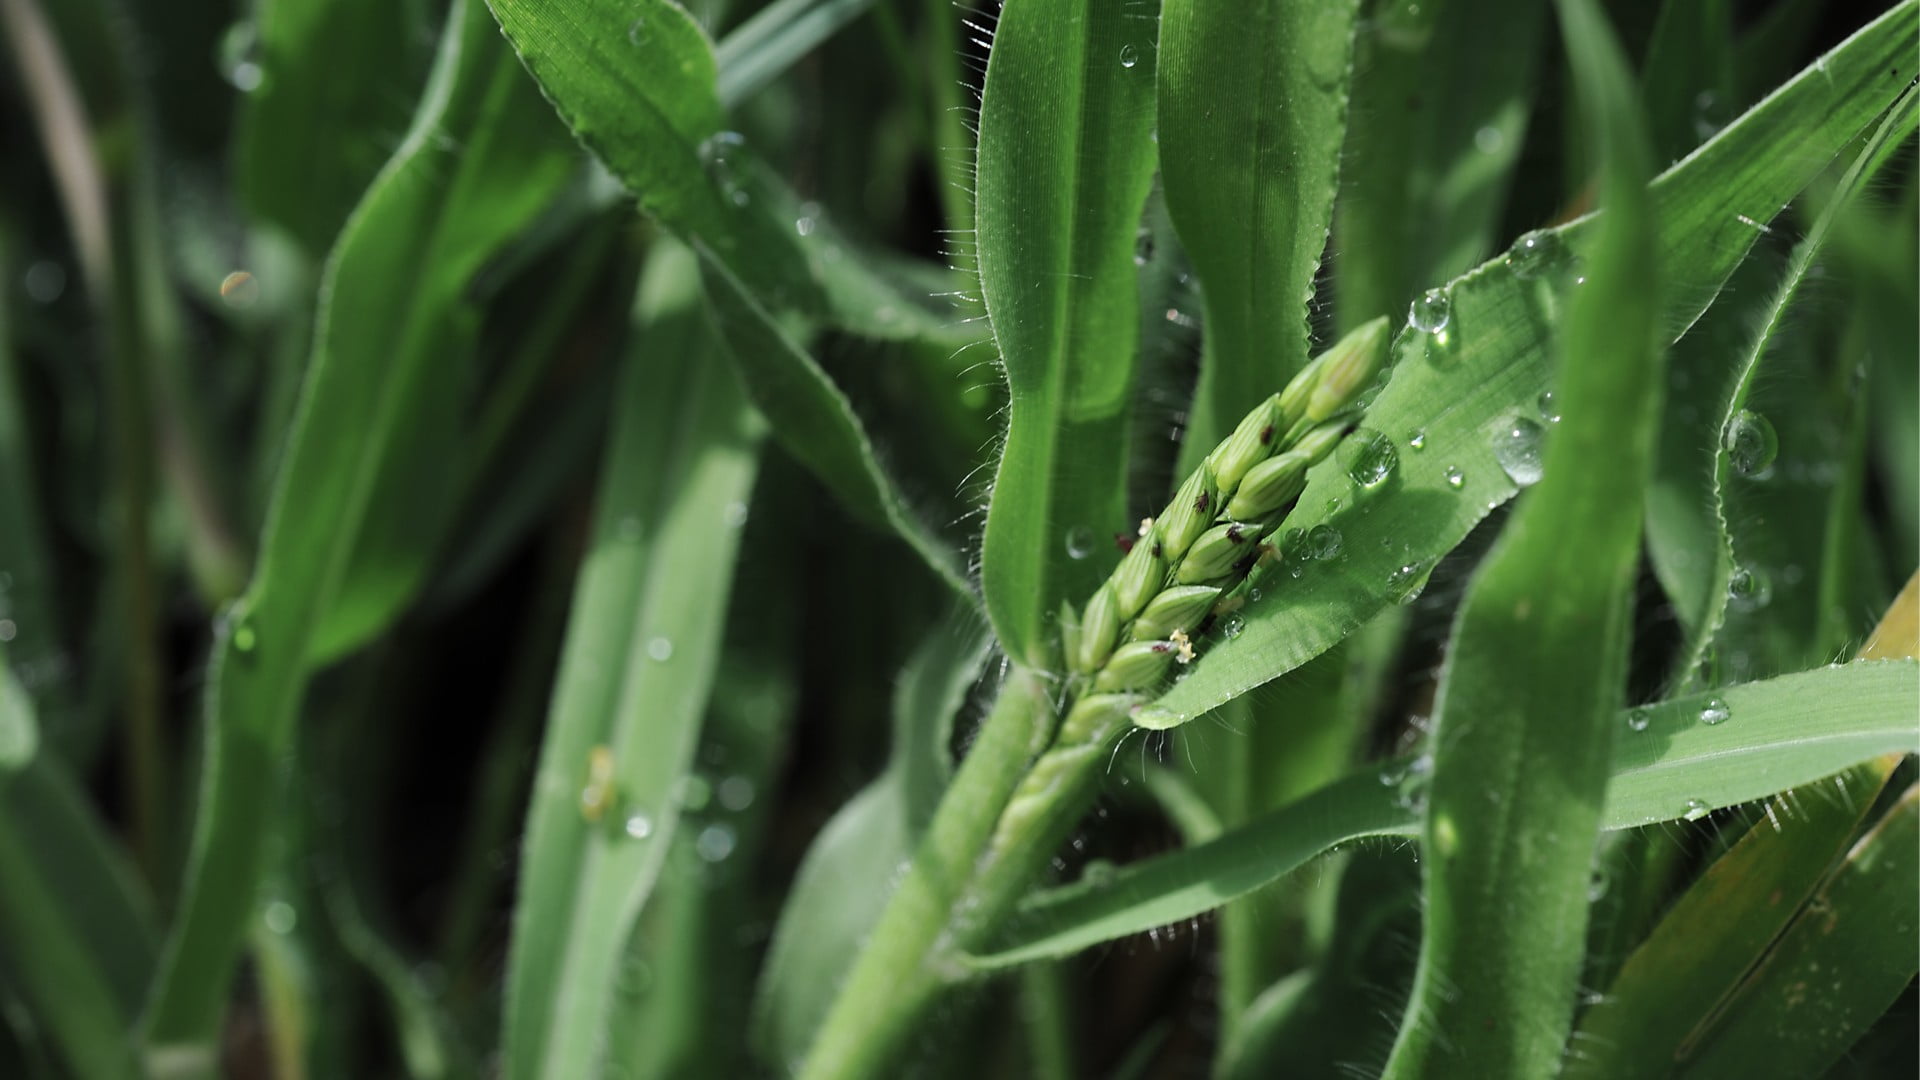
<point>1129,56</point>
<point>1516,446</point>
<point>1696,809</point>
<point>1370,458</point>
<point>660,649</point>
<point>1418,440</point>
<point>1549,409</point>
<point>1537,255</point>
<point>638,825</point>
<point>1715,711</point>
<point>1748,589</point>
<point>1750,443</point>
<point>1456,479</point>
<point>1079,542</point>
<point>715,843</point>
<point>1639,718</point>
<point>1323,542</point>
<point>1233,626</point>
<point>1430,311</point>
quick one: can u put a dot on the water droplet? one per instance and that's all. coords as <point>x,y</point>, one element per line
<point>1393,774</point>
<point>1370,458</point>
<point>1143,246</point>
<point>1098,873</point>
<point>1538,254</point>
<point>1597,884</point>
<point>1418,440</point>
<point>1456,478</point>
<point>1323,542</point>
<point>45,281</point>
<point>1489,140</point>
<point>638,825</point>
<point>1401,25</point>
<point>1695,810</point>
<point>1253,596</point>
<point>637,32</point>
<point>1750,443</point>
<point>1549,408</point>
<point>280,917</point>
<point>715,843</point>
<point>1079,542</point>
<point>1129,56</point>
<point>1430,311</point>
<point>1233,626</point>
<point>735,515</point>
<point>1748,589</point>
<point>1516,446</point>
<point>1639,718</point>
<point>1709,114</point>
<point>244,638</point>
<point>736,793</point>
<point>803,225</point>
<point>237,57</point>
<point>1404,582</point>
<point>719,156</point>
<point>660,649</point>
<point>1715,711</point>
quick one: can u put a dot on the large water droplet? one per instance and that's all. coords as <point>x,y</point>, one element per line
<point>1129,56</point>
<point>1456,477</point>
<point>1549,408</point>
<point>1430,311</point>
<point>1404,583</point>
<point>736,793</point>
<point>1748,589</point>
<point>1695,810</point>
<point>660,649</point>
<point>1639,718</point>
<point>1370,458</point>
<point>637,32</point>
<point>1750,443</point>
<point>1489,140</point>
<point>1537,255</point>
<point>1079,542</point>
<point>719,156</point>
<point>715,843</point>
<point>1323,542</point>
<point>1516,446</point>
<point>1233,626</point>
<point>638,825</point>
<point>280,917</point>
<point>1418,440</point>
<point>1715,711</point>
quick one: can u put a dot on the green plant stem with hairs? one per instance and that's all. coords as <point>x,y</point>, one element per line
<point>1026,782</point>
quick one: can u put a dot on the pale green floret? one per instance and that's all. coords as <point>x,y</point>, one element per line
<point>1093,713</point>
<point>1347,369</point>
<point>1271,485</point>
<point>1141,574</point>
<point>1135,666</point>
<point>1099,630</point>
<point>1179,608</point>
<point>1217,551</point>
<point>1249,444</point>
<point>1187,516</point>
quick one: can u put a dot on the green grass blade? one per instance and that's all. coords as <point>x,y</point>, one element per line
<point>1065,162</point>
<point>758,50</point>
<point>1252,116</point>
<point>1489,365</point>
<point>1701,502</point>
<point>375,392</point>
<point>1537,662</point>
<point>1686,80</point>
<point>77,935</point>
<point>1781,733</point>
<point>814,421</point>
<point>851,866</point>
<point>642,646</point>
<point>1441,94</point>
<point>1839,966</point>
<point>310,141</point>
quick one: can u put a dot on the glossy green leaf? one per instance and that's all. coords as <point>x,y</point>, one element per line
<point>1441,96</point>
<point>1252,117</point>
<point>1781,734</point>
<point>642,646</point>
<point>1488,366</point>
<point>1838,967</point>
<point>1065,162</point>
<point>814,420</point>
<point>1537,663</point>
<point>377,396</point>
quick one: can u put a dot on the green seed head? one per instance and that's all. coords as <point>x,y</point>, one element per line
<point>1217,552</point>
<point>1093,713</point>
<point>1179,608</point>
<point>1140,575</point>
<point>1347,369</point>
<point>1136,665</point>
<point>1271,485</point>
<point>1250,444</point>
<point>1189,515</point>
<point>1099,631</point>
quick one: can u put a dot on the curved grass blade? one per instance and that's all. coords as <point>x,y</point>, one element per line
<point>850,867</point>
<point>1838,967</point>
<point>374,377</point>
<point>642,645</point>
<point>1783,733</point>
<point>1537,662</point>
<point>814,420</point>
<point>1687,75</point>
<point>758,50</point>
<point>1252,115</point>
<point>1733,436</point>
<point>1065,162</point>
<point>1443,91</point>
<point>1488,363</point>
